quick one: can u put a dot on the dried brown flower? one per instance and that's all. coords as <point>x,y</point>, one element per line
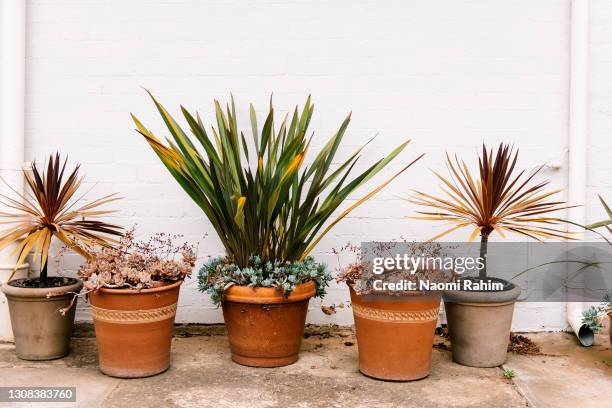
<point>138,264</point>
<point>359,275</point>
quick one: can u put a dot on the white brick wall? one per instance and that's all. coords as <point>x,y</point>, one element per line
<point>448,74</point>
<point>599,170</point>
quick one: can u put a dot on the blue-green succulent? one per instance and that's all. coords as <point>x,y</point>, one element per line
<point>217,274</point>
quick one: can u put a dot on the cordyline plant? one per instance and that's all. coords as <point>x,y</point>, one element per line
<point>497,200</point>
<point>258,195</point>
<point>49,209</point>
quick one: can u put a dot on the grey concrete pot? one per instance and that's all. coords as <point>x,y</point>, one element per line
<point>479,325</point>
<point>41,332</point>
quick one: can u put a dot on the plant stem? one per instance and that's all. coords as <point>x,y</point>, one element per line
<point>484,241</point>
<point>42,280</point>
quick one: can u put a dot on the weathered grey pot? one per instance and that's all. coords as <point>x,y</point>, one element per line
<point>41,332</point>
<point>479,325</point>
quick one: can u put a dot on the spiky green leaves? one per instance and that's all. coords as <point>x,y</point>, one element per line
<point>258,195</point>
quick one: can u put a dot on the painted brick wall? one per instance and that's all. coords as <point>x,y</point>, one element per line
<point>448,74</point>
<point>599,170</point>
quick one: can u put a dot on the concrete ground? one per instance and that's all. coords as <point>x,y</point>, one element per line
<point>565,375</point>
<point>326,375</point>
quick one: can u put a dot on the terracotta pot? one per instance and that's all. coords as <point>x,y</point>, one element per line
<point>395,334</point>
<point>479,325</point>
<point>265,328</point>
<point>134,329</point>
<point>40,330</point>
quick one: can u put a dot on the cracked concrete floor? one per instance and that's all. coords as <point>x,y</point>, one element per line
<point>326,375</point>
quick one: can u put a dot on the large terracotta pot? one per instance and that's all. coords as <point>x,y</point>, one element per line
<point>41,331</point>
<point>264,327</point>
<point>479,325</point>
<point>134,329</point>
<point>395,334</point>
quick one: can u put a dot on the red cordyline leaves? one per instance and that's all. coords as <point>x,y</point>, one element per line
<point>49,209</point>
<point>498,200</point>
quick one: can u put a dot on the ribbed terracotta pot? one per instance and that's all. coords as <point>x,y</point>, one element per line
<point>479,325</point>
<point>134,329</point>
<point>40,330</point>
<point>395,335</point>
<point>265,328</point>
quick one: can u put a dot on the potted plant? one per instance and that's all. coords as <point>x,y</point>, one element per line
<point>48,210</point>
<point>591,316</point>
<point>133,290</point>
<point>269,212</point>
<point>500,201</point>
<point>394,328</point>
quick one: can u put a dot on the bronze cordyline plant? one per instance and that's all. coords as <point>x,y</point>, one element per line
<point>50,209</point>
<point>498,200</point>
<point>258,195</point>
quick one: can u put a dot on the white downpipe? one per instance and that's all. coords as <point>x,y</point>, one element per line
<point>578,134</point>
<point>12,119</point>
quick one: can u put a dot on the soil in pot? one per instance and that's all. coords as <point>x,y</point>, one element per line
<point>41,332</point>
<point>52,282</point>
<point>395,334</point>
<point>134,329</point>
<point>264,327</point>
<point>479,324</point>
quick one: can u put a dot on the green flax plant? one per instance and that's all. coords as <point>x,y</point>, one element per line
<point>596,226</point>
<point>260,197</point>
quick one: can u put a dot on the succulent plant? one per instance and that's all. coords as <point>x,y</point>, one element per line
<point>218,274</point>
<point>590,316</point>
<point>138,264</point>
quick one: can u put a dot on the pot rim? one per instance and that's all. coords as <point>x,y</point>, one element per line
<point>19,292</point>
<point>129,291</point>
<point>261,295</point>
